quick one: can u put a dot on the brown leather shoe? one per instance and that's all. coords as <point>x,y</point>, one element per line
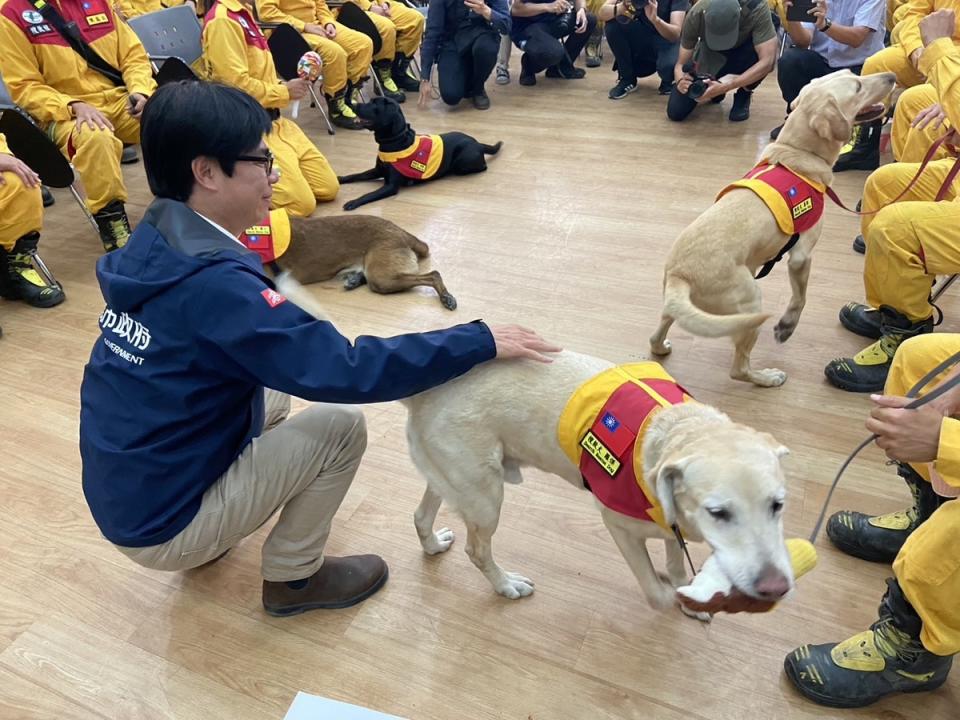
<point>339,583</point>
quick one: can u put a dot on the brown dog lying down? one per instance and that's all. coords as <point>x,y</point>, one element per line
<point>364,249</point>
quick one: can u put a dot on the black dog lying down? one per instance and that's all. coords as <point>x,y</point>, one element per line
<point>405,158</point>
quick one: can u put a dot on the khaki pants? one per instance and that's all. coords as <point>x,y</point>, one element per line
<point>305,175</point>
<point>928,565</point>
<point>21,210</point>
<point>302,466</point>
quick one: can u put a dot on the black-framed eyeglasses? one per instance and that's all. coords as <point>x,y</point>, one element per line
<point>266,160</point>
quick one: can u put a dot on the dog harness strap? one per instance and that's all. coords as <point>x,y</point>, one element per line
<point>768,265</point>
<point>795,201</point>
<point>601,430</point>
<point>420,161</point>
<point>271,238</point>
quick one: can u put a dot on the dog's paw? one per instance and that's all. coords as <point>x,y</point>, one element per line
<point>438,542</point>
<point>514,586</point>
<point>448,301</point>
<point>768,377</point>
<point>782,331</point>
<point>661,349</point>
<point>352,205</point>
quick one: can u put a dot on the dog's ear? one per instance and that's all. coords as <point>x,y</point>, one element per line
<point>665,480</point>
<point>829,122</point>
<point>781,451</point>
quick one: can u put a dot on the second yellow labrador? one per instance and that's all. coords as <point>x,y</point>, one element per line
<point>710,287</point>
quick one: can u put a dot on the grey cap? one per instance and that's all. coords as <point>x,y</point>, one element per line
<point>721,22</point>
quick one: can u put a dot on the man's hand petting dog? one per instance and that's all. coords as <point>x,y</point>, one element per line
<point>515,341</point>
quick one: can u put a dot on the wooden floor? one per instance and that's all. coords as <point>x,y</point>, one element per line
<point>565,233</point>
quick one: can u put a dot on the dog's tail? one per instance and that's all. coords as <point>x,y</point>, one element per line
<point>678,305</point>
<point>491,149</point>
<point>300,296</point>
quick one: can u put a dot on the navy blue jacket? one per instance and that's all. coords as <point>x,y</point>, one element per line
<point>191,334</point>
<point>446,19</point>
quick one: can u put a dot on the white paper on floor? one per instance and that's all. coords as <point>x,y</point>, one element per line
<point>313,707</point>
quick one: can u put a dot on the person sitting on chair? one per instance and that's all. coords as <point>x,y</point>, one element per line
<point>21,219</point>
<point>235,52</point>
<point>462,38</point>
<point>538,26</point>
<point>644,38</point>
<point>401,29</point>
<point>135,8</point>
<point>725,45</point>
<point>346,53</point>
<point>89,110</point>
<point>841,34</point>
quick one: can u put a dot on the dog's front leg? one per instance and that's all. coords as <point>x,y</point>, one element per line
<point>799,267</point>
<point>373,173</point>
<point>391,186</point>
<point>633,547</point>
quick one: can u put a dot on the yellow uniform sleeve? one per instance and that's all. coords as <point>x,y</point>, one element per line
<point>132,61</point>
<point>21,73</point>
<point>940,62</point>
<point>226,58</point>
<point>324,13</point>
<point>4,149</point>
<point>948,454</point>
<point>908,31</point>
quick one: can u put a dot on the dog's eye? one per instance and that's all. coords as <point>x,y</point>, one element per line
<point>776,506</point>
<point>719,514</point>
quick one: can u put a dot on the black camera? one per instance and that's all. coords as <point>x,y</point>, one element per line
<point>698,86</point>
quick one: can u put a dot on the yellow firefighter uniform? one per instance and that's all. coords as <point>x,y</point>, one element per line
<point>236,52</point>
<point>45,75</point>
<point>402,31</point>
<point>910,144</point>
<point>347,56</point>
<point>136,8</point>
<point>896,58</point>
<point>928,566</point>
<point>915,239</point>
<point>21,208</point>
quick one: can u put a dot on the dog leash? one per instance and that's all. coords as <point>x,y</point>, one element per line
<point>683,546</point>
<point>912,393</point>
<point>944,188</point>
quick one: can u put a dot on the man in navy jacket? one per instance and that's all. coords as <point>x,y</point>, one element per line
<point>181,435</point>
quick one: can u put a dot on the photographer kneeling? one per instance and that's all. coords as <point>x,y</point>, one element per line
<point>644,40</point>
<point>538,26</point>
<point>733,40</point>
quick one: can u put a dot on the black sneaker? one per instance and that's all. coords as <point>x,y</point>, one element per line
<point>861,319</point>
<point>622,89</point>
<point>129,155</point>
<point>880,537</point>
<point>403,75</point>
<point>863,150</point>
<point>888,658</point>
<point>47,196</point>
<point>859,245</point>
<point>19,279</point>
<point>566,71</point>
<point>113,225</point>
<point>481,101</point>
<point>526,77</point>
<point>741,105</point>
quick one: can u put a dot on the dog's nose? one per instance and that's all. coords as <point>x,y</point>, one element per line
<point>771,583</point>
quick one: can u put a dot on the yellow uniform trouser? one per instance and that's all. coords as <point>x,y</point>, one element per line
<point>334,62</point>
<point>928,566</point>
<point>894,59</point>
<point>409,24</point>
<point>21,210</point>
<point>305,175</point>
<point>95,154</point>
<point>359,50</point>
<point>910,144</point>
<point>388,34</point>
<point>911,241</point>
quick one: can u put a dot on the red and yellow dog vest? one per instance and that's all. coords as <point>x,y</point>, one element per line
<point>601,431</point>
<point>271,238</point>
<point>420,161</point>
<point>795,201</point>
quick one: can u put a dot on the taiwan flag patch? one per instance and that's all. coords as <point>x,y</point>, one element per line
<point>273,298</point>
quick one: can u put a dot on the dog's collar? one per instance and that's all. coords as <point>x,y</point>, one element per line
<point>400,141</point>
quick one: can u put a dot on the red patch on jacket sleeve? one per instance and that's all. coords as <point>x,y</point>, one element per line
<point>273,298</point>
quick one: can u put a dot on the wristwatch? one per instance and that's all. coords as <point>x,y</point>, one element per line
<point>827,24</point>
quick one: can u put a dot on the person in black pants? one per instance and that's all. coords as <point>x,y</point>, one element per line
<point>731,42</point>
<point>644,40</point>
<point>538,26</point>
<point>462,37</point>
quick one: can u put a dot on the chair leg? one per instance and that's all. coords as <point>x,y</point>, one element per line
<point>944,282</point>
<point>83,206</point>
<point>41,267</point>
<point>377,87</point>
<point>319,103</point>
<point>416,67</point>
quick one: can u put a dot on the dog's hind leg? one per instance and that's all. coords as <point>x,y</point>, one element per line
<point>354,279</point>
<point>659,345</point>
<point>396,269</point>
<point>433,542</point>
<point>741,370</point>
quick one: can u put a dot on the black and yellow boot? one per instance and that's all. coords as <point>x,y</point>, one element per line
<point>879,538</point>
<point>19,279</point>
<point>113,225</point>
<point>863,150</point>
<point>341,114</point>
<point>403,74</point>
<point>594,48</point>
<point>861,319</point>
<point>867,370</point>
<point>888,658</point>
<point>385,75</point>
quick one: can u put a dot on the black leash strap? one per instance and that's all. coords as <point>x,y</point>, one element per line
<point>70,33</point>
<point>914,391</point>
<point>683,546</point>
<point>768,266</point>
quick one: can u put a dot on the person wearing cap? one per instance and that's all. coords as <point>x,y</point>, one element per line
<point>841,34</point>
<point>731,41</point>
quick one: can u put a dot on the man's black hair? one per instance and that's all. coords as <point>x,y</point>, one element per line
<point>186,120</point>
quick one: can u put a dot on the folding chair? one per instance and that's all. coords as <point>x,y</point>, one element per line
<point>171,38</point>
<point>31,145</point>
<point>287,47</point>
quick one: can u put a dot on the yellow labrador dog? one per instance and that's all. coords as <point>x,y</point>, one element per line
<point>709,277</point>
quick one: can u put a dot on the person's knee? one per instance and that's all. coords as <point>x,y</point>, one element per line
<point>327,190</point>
<point>449,96</point>
<point>97,140</point>
<point>348,423</point>
<point>551,54</point>
<point>677,110</point>
<point>887,231</point>
<point>298,200</point>
<point>486,47</point>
